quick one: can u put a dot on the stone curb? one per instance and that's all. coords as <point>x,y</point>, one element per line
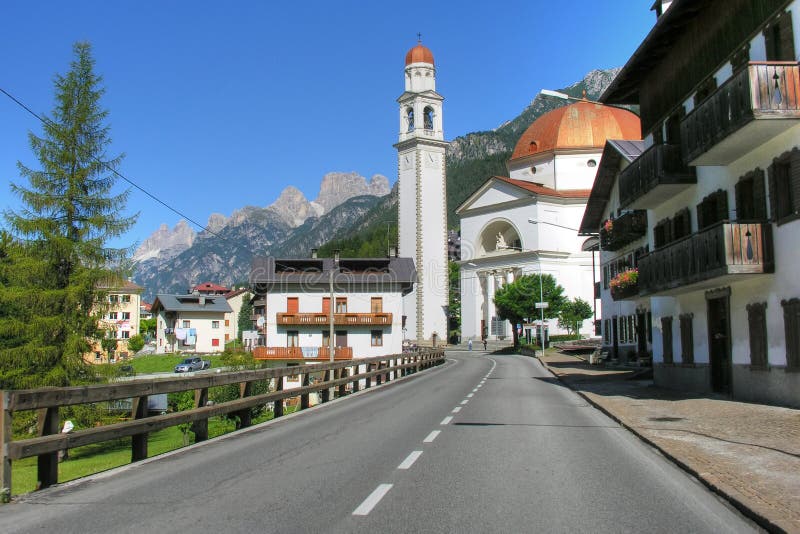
<point>761,520</point>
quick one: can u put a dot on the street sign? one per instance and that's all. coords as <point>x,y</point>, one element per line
<point>541,305</point>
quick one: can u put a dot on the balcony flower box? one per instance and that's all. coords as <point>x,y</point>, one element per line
<point>625,285</point>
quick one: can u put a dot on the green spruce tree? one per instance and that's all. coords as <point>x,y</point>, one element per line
<point>60,256</point>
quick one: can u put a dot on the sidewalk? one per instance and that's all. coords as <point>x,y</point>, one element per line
<point>749,453</point>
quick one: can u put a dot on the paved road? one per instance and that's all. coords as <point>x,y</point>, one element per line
<point>481,444</point>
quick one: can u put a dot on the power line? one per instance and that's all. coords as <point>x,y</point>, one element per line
<point>45,120</point>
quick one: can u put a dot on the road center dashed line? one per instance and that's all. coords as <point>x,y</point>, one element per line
<point>464,401</point>
<point>409,461</point>
<point>446,420</point>
<point>470,395</point>
<point>456,409</point>
<point>374,498</point>
<point>431,436</point>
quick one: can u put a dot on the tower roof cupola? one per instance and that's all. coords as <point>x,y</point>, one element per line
<point>419,54</point>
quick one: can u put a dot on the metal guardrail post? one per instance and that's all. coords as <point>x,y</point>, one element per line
<point>139,441</point>
<point>5,439</point>
<point>47,424</point>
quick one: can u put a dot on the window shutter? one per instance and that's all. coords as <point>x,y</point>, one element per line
<point>701,215</point>
<point>759,196</point>
<point>785,37</point>
<point>794,179</point>
<point>739,191</point>
<point>721,205</point>
<point>770,42</point>
<point>773,192</point>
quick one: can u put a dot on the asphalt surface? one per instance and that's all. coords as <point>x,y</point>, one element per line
<point>482,444</point>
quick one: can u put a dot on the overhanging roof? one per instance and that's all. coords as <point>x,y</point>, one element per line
<point>613,154</point>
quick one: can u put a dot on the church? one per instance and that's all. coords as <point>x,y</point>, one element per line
<point>527,222</point>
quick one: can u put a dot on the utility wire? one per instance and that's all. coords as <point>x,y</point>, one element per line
<point>45,120</point>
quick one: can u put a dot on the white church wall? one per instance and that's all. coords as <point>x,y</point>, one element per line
<point>573,171</point>
<point>543,174</point>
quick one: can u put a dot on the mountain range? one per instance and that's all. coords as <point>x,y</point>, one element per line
<point>350,212</point>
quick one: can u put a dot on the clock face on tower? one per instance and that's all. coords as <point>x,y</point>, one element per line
<point>405,162</point>
<point>431,160</point>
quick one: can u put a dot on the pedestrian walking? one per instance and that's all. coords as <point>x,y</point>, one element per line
<point>484,343</point>
<point>469,344</point>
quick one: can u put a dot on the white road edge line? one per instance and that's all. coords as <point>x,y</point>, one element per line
<point>431,436</point>
<point>446,420</point>
<point>408,462</point>
<point>374,498</point>
<point>456,409</point>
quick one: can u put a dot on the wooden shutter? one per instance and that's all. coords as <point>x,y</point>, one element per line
<point>701,215</point>
<point>785,37</point>
<point>771,41</point>
<point>326,304</point>
<point>741,189</point>
<point>773,191</point>
<point>759,196</point>
<point>794,180</point>
<point>687,338</point>
<point>757,322</point>
<point>791,324</point>
<point>666,339</point>
<point>721,205</point>
<point>292,305</point>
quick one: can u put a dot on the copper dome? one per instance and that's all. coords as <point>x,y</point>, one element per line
<point>579,125</point>
<point>419,54</point>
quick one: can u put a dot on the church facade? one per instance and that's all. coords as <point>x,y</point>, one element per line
<point>527,223</point>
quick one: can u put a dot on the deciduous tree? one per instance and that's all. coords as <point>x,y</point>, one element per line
<point>516,301</point>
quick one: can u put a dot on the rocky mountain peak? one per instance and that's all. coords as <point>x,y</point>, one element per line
<point>293,207</point>
<point>338,187</point>
<point>165,242</point>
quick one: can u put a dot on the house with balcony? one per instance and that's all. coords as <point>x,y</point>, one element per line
<point>120,318</point>
<point>296,300</point>
<point>718,86</point>
<point>192,323</point>
<point>625,317</point>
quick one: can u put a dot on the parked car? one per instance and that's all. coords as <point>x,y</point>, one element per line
<point>192,364</point>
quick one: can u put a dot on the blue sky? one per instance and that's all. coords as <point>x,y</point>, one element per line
<point>218,105</point>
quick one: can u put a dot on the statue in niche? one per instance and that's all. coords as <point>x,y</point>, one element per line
<point>501,242</point>
<point>410,119</point>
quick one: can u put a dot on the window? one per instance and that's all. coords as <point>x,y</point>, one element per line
<point>376,338</point>
<point>662,233</point>
<point>126,316</point>
<point>428,118</point>
<point>607,330</point>
<point>687,338</point>
<point>292,305</point>
<point>681,224</point>
<point>214,342</point>
<point>97,356</point>
<point>112,315</point>
<point>326,338</point>
<point>113,299</point>
<point>751,199</point>
<point>791,325</point>
<point>125,298</point>
<point>757,322</point>
<point>591,163</point>
<point>341,304</point>
<point>214,324</point>
<point>784,187</point>
<point>326,305</point>
<point>125,334</point>
<point>705,89</point>
<point>227,337</point>
<point>666,339</point>
<point>410,118</point>
<point>713,209</point>
<point>376,305</point>
<point>185,324</point>
<point>292,338</point>
<point>227,322</point>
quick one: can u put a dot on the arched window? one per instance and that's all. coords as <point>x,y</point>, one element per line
<point>428,118</point>
<point>410,118</point>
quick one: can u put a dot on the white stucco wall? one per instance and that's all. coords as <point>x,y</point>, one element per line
<point>202,322</point>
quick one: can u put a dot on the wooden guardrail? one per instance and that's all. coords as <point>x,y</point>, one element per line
<point>47,402</point>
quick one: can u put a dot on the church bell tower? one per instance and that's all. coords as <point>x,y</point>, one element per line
<point>422,217</point>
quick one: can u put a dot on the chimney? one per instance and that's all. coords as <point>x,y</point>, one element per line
<point>314,253</point>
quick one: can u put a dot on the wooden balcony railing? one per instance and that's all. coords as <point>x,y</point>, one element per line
<point>727,248</point>
<point>658,173</point>
<point>302,353</point>
<point>339,319</point>
<point>625,229</point>
<point>763,90</point>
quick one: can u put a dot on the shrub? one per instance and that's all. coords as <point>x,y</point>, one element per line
<point>136,343</point>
